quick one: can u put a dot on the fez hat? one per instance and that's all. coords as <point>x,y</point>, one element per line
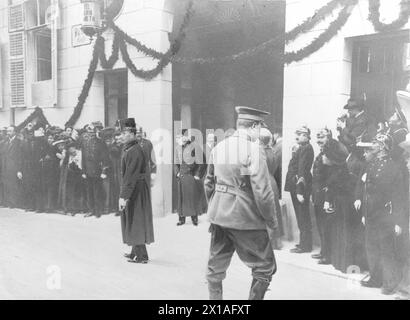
<point>128,123</point>
<point>325,132</point>
<point>246,113</point>
<point>354,104</point>
<point>303,129</point>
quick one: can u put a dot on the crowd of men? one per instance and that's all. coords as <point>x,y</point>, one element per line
<point>359,186</point>
<point>49,169</point>
<point>358,183</point>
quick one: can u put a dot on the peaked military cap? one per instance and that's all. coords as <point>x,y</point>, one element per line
<point>354,104</point>
<point>128,123</point>
<point>247,113</point>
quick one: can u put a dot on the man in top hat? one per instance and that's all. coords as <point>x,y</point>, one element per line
<point>380,197</point>
<point>299,184</point>
<point>95,167</point>
<point>135,195</point>
<point>356,126</point>
<point>241,206</point>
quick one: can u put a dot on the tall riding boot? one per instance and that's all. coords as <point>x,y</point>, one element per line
<point>215,290</point>
<point>258,289</point>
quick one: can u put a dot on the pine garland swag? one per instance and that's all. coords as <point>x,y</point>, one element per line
<point>86,86</point>
<point>374,16</point>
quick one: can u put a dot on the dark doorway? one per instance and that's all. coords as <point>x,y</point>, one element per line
<point>204,95</point>
<point>208,93</point>
<point>379,70</point>
<point>115,96</point>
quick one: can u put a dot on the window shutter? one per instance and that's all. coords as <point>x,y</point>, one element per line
<point>16,17</point>
<point>17,69</point>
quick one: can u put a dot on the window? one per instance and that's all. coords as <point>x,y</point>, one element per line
<point>43,55</point>
<point>36,12</point>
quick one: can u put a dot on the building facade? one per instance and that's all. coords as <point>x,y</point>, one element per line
<point>45,59</point>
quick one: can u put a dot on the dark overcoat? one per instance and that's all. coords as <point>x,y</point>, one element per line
<point>190,190</point>
<point>136,220</point>
<point>13,163</point>
<point>272,166</point>
<point>299,177</point>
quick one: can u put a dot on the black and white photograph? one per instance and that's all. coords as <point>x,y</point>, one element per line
<point>195,150</point>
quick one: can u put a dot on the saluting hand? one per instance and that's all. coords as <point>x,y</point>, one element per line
<point>397,230</point>
<point>357,205</point>
<point>122,203</point>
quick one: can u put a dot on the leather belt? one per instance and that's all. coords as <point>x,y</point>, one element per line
<point>223,188</point>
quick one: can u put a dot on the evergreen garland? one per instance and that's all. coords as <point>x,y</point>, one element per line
<point>121,39</point>
<point>323,38</point>
<point>374,16</point>
<point>86,86</point>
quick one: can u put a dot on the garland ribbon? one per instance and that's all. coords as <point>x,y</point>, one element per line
<point>374,16</point>
<point>121,39</point>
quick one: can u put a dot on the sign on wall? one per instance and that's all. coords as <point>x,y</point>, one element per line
<point>78,38</point>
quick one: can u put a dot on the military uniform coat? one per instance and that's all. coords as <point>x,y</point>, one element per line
<point>136,221</point>
<point>238,185</point>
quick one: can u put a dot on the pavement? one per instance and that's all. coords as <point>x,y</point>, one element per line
<point>52,256</point>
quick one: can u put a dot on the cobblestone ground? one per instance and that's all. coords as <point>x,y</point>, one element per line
<point>51,256</point>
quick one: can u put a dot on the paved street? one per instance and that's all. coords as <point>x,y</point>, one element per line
<point>36,248</point>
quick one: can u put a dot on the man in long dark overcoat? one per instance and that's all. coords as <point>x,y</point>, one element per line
<point>135,198</point>
<point>13,167</point>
